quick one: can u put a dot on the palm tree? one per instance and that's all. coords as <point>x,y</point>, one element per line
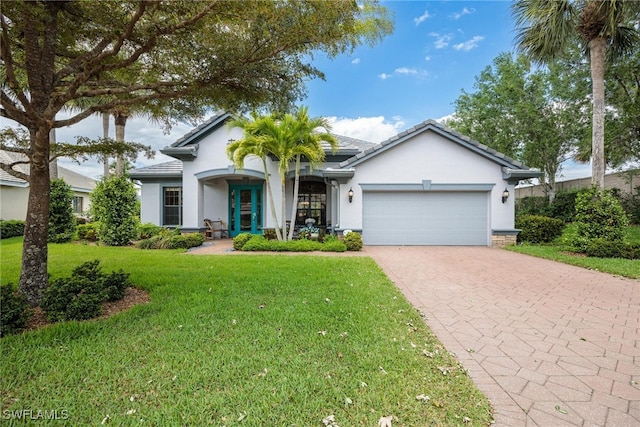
<point>307,142</point>
<point>261,135</point>
<point>546,28</point>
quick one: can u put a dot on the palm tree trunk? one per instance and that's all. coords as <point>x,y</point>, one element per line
<point>597,49</point>
<point>284,207</point>
<point>271,202</point>
<point>121,122</point>
<point>294,207</point>
<point>105,134</point>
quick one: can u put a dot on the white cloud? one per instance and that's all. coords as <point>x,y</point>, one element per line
<point>427,58</point>
<point>469,44</point>
<point>442,40</point>
<point>419,20</point>
<point>372,129</point>
<point>411,72</point>
<point>384,76</point>
<point>356,61</point>
<point>464,11</point>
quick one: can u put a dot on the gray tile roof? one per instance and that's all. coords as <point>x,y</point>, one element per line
<point>75,180</point>
<point>169,169</point>
<point>439,128</point>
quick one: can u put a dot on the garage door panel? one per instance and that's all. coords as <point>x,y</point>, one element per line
<point>425,218</point>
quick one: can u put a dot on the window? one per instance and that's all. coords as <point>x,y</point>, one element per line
<point>77,205</point>
<point>312,203</point>
<point>172,206</point>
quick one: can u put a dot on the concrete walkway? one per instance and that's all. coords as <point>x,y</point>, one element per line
<point>549,344</point>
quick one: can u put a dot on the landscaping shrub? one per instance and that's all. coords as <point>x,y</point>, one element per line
<point>240,240</point>
<point>171,239</point>
<point>114,202</point>
<point>333,245</point>
<point>259,243</point>
<point>269,233</point>
<point>538,229</point>
<point>604,248</point>
<point>599,215</point>
<point>81,295</point>
<point>631,205</point>
<point>532,205</point>
<point>14,310</point>
<point>564,206</point>
<point>62,222</point>
<point>11,228</point>
<point>148,230</point>
<point>89,231</point>
<point>353,241</point>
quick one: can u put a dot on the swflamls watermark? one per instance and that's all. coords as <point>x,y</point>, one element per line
<point>35,414</point>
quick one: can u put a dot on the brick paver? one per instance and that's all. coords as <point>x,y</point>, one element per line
<point>549,344</point>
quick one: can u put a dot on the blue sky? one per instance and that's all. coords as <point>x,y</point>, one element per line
<point>415,74</point>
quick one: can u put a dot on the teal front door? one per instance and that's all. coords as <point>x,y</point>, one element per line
<point>245,209</point>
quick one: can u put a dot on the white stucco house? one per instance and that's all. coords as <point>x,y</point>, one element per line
<point>14,192</point>
<point>428,185</point>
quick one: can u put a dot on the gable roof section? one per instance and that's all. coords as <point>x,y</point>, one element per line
<point>171,169</point>
<point>76,181</point>
<point>512,169</point>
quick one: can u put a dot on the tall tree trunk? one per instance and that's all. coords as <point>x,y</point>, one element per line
<point>597,48</point>
<point>53,165</point>
<point>271,202</point>
<point>121,122</point>
<point>294,207</point>
<point>284,207</point>
<point>105,134</point>
<point>33,274</point>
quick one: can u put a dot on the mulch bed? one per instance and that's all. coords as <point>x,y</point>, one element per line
<point>132,297</point>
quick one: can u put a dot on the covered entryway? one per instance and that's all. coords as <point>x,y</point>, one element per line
<point>425,218</point>
<point>245,209</point>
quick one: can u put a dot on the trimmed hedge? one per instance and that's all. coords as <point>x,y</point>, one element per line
<point>15,311</point>
<point>599,215</point>
<point>538,228</point>
<point>240,240</point>
<point>11,228</point>
<point>168,239</point>
<point>259,243</point>
<point>604,248</point>
<point>353,241</point>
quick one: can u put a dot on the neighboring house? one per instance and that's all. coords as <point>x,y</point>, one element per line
<point>14,192</point>
<point>428,185</point>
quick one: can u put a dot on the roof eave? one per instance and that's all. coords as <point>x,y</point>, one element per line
<point>513,176</point>
<point>181,153</point>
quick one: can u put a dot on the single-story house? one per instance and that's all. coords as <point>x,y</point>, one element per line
<point>14,192</point>
<point>428,185</point>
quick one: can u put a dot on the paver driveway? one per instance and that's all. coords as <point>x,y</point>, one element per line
<point>549,344</point>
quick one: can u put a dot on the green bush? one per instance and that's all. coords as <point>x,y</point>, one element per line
<point>148,230</point>
<point>564,206</point>
<point>259,243</point>
<point>89,231</point>
<point>333,245</point>
<point>81,295</point>
<point>353,241</point>
<point>240,240</point>
<point>62,222</point>
<point>168,239</point>
<point>538,229</point>
<point>603,248</point>
<point>269,233</point>
<point>631,205</point>
<point>14,310</point>
<point>599,215</point>
<point>532,205</point>
<point>11,228</point>
<point>114,202</point>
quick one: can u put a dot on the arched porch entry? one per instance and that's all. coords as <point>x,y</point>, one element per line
<point>312,202</point>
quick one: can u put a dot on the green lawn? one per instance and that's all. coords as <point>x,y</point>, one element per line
<point>560,251</point>
<point>238,340</point>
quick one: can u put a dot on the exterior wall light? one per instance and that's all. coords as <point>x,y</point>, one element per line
<point>505,195</point>
<point>350,193</point>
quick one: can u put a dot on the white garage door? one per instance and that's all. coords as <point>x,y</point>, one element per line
<point>425,218</point>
